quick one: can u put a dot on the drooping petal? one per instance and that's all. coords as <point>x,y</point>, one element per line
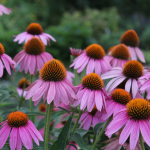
<point>134,88</point>
<point>51,92</point>
<point>128,85</point>
<point>13,138</point>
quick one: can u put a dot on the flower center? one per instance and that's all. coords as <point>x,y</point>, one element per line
<point>53,70</point>
<point>93,112</point>
<point>130,38</point>
<point>121,52</point>
<point>22,82</point>
<point>95,51</point>
<point>34,29</point>
<point>138,108</point>
<point>42,107</point>
<point>34,46</point>
<point>2,50</point>
<point>121,96</point>
<point>17,119</point>
<point>93,81</point>
<point>133,69</point>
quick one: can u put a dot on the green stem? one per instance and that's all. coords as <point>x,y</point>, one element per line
<point>1,120</point>
<point>47,124</point>
<point>101,133</point>
<point>80,112</point>
<point>76,77</point>
<point>141,141</point>
<point>31,106</point>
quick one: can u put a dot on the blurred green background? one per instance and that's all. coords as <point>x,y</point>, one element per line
<point>76,23</point>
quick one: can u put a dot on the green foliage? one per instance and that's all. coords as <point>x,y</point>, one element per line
<point>145,38</point>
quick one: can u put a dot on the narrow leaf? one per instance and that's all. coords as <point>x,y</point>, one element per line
<point>97,128</point>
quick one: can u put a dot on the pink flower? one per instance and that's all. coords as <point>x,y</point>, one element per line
<point>118,56</point>
<point>70,75</point>
<point>117,101</point>
<point>21,85</point>
<point>134,119</point>
<point>33,56</point>
<point>4,10</point>
<point>131,40</point>
<point>34,29</point>
<point>21,130</point>
<point>5,61</point>
<point>93,57</point>
<point>91,92</point>
<point>52,85</point>
<point>88,118</point>
<point>76,52</point>
<point>113,143</point>
<point>130,73</point>
<point>69,147</point>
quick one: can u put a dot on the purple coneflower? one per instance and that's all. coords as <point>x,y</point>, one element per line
<point>4,10</point>
<point>21,86</point>
<point>21,130</point>
<point>33,56</point>
<point>135,119</point>
<point>93,57</point>
<point>131,40</point>
<point>76,52</point>
<point>5,61</point>
<point>52,85</point>
<point>34,29</point>
<point>130,73</point>
<point>118,56</point>
<point>91,92</point>
<point>88,118</point>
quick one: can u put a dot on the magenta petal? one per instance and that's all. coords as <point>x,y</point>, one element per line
<point>1,69</point>
<point>32,135</point>
<point>43,39</point>
<point>19,142</point>
<point>128,85</point>
<point>40,62</point>
<point>57,96</point>
<point>13,138</point>
<point>95,121</point>
<point>134,88</point>
<point>88,122</point>
<point>97,67</point>
<point>25,137</point>
<point>140,54</point>
<point>33,65</point>
<point>36,132</point>
<point>132,53</point>
<point>91,101</point>
<point>4,135</point>
<point>83,116</point>
<point>98,100</point>
<point>145,127</point>
<point>90,66</point>
<point>126,132</point>
<point>134,135</point>
<point>51,92</point>
<point>6,63</point>
<point>80,69</point>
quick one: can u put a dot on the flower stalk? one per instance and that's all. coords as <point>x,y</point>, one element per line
<point>141,141</point>
<point>101,133</point>
<point>49,108</point>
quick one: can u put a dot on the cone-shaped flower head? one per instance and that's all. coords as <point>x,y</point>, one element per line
<point>135,119</point>
<point>21,130</point>
<point>33,56</point>
<point>34,29</point>
<point>4,10</point>
<point>93,57</point>
<point>131,72</point>
<point>131,40</point>
<point>116,102</point>
<point>21,86</point>
<point>91,92</point>
<point>53,84</point>
<point>118,56</point>
<point>42,107</point>
<point>88,118</point>
<point>5,61</point>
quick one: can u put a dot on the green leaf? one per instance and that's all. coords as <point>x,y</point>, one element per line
<point>78,139</point>
<point>64,110</point>
<point>3,100</point>
<point>60,144</point>
<point>82,132</point>
<point>35,114</point>
<point>97,128</point>
<point>41,124</point>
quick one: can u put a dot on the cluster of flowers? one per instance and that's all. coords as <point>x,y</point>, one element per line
<point>121,102</point>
